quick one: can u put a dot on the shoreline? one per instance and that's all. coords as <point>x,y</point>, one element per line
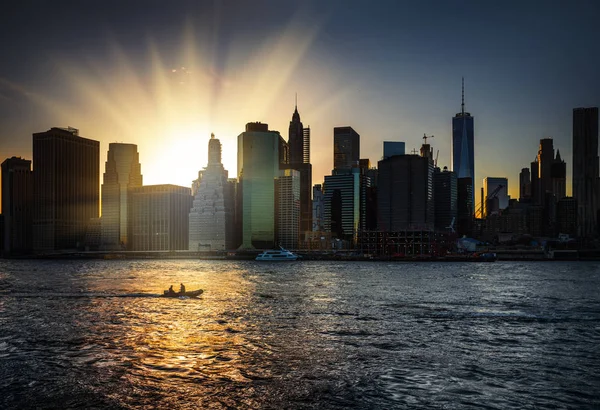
<point>528,256</point>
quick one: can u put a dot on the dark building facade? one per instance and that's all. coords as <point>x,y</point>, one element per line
<point>585,169</point>
<point>558,173</point>
<point>465,206</point>
<point>299,159</point>
<point>159,218</point>
<point>405,194</point>
<point>17,206</point>
<point>346,149</point>
<point>525,185</point>
<point>344,204</point>
<point>66,188</point>
<point>545,159</point>
<point>122,172</point>
<point>287,208</point>
<point>445,190</point>
<point>566,216</point>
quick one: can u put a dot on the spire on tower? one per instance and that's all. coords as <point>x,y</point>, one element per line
<point>296,102</point>
<point>462,105</point>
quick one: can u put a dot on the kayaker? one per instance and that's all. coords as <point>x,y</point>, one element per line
<point>181,288</point>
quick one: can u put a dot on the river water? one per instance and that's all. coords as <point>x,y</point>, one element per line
<point>97,334</point>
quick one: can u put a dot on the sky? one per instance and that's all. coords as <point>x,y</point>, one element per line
<point>164,75</point>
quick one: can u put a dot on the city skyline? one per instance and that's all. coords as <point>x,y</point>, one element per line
<point>126,86</point>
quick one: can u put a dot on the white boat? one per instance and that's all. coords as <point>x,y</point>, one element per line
<point>274,255</point>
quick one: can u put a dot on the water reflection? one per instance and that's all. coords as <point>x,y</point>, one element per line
<point>331,335</point>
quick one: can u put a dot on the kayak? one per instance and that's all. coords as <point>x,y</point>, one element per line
<point>189,294</point>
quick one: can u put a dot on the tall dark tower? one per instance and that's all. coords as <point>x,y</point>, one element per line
<point>585,169</point>
<point>463,157</point>
<point>66,188</point>
<point>299,146</point>
<point>346,149</point>
<point>17,202</point>
<point>545,160</point>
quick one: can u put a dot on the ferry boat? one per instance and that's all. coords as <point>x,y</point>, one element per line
<point>274,255</point>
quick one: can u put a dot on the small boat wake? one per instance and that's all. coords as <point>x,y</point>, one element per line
<point>91,295</point>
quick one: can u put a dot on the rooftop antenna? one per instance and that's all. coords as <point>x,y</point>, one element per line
<point>414,151</point>
<point>462,105</point>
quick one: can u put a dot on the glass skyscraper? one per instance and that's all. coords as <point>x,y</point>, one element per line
<point>123,172</point>
<point>463,154</point>
<point>258,166</point>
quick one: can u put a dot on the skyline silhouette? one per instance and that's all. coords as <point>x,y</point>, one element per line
<point>166,79</point>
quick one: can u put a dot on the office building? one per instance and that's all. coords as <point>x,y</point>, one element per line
<point>212,214</point>
<point>558,175</point>
<point>17,206</point>
<point>465,206</point>
<point>344,204</point>
<point>159,218</point>
<point>259,156</point>
<point>287,208</point>
<point>545,159</point>
<point>566,216</point>
<point>495,195</point>
<point>346,149</point>
<point>66,188</point>
<point>524,185</point>
<point>585,169</point>
<point>445,191</point>
<point>463,132</point>
<point>317,218</point>
<point>299,159</point>
<point>391,148</point>
<point>122,172</point>
<point>405,194</point>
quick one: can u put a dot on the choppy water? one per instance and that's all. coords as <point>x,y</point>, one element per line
<point>96,334</point>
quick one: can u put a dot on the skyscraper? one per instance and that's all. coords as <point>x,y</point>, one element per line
<point>159,218</point>
<point>463,157</point>
<point>299,146</point>
<point>344,204</point>
<point>66,185</point>
<point>122,172</point>
<point>17,203</point>
<point>545,159</point>
<point>211,216</point>
<point>558,173</point>
<point>317,218</point>
<point>465,206</point>
<point>585,169</point>
<point>259,153</point>
<point>536,190</point>
<point>405,198</point>
<point>524,184</point>
<point>445,196</point>
<point>287,208</point>
<point>346,149</point>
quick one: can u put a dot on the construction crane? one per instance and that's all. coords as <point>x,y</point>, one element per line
<point>425,137</point>
<point>492,195</point>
